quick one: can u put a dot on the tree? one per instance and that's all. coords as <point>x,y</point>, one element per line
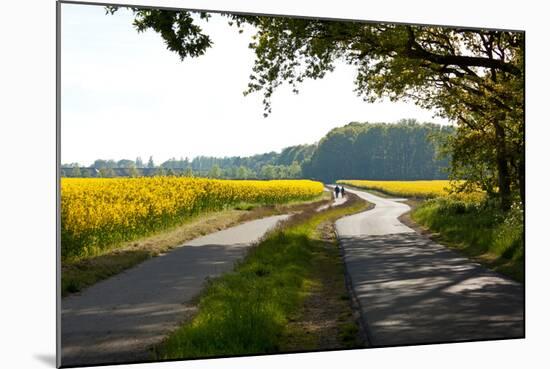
<point>294,170</point>
<point>177,29</point>
<point>150,163</point>
<point>160,172</point>
<point>188,172</point>
<point>76,172</point>
<point>242,173</point>
<point>125,163</point>
<point>215,171</point>
<point>107,173</point>
<point>400,151</point>
<point>134,172</point>
<point>139,162</point>
<point>473,77</point>
<point>268,172</point>
<point>99,164</point>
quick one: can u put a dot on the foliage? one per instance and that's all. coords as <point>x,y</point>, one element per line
<point>473,77</point>
<point>358,150</point>
<point>96,213</point>
<point>406,150</point>
<point>479,229</point>
<point>272,165</point>
<point>179,30</point>
<point>383,151</point>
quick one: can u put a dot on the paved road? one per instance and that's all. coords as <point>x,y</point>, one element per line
<point>412,290</point>
<point>120,318</point>
<point>335,201</point>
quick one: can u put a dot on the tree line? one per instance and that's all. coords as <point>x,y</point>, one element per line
<point>403,151</point>
<point>271,165</point>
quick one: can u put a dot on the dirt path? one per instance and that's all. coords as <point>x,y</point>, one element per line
<point>412,290</point>
<point>118,319</point>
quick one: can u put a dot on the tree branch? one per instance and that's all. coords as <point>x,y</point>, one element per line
<point>416,51</point>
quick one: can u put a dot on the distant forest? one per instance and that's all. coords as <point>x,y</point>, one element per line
<point>403,151</point>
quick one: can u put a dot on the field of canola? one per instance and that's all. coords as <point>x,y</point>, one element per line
<point>99,212</point>
<point>423,189</point>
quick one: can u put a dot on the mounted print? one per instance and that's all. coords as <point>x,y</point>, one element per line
<point>239,184</point>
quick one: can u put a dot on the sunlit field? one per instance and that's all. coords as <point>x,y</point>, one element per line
<point>427,189</point>
<point>423,189</point>
<point>99,212</point>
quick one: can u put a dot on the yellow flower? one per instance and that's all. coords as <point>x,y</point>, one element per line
<point>97,212</point>
<point>427,189</point>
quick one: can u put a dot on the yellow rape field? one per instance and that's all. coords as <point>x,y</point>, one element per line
<point>98,212</point>
<point>425,189</point>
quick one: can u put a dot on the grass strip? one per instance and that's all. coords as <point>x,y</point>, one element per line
<point>251,310</point>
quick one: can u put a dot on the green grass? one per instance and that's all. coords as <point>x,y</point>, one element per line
<point>479,230</point>
<point>248,310</point>
<point>76,276</point>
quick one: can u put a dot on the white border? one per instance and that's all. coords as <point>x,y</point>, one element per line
<point>27,203</point>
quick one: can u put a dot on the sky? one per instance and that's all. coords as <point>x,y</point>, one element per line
<point>124,95</point>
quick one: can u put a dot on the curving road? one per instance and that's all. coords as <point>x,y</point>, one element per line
<point>118,319</point>
<point>412,290</point>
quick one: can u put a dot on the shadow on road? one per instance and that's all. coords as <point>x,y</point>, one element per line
<point>117,319</point>
<point>412,291</point>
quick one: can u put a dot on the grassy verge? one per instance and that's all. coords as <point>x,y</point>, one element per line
<point>478,230</point>
<point>265,305</point>
<point>78,274</point>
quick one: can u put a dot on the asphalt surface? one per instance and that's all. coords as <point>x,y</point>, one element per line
<point>412,290</point>
<point>119,319</point>
<point>335,201</point>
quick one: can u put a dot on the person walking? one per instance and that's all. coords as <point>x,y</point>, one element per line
<point>342,191</point>
<point>337,191</point>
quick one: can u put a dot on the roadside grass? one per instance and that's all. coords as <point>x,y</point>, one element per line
<point>479,230</point>
<point>245,206</point>
<point>264,305</point>
<point>325,321</point>
<point>79,273</point>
